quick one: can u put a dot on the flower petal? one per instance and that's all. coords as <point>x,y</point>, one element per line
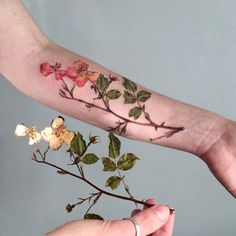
<point>92,76</point>
<point>34,138</point>
<point>58,123</point>
<point>47,134</point>
<point>81,66</point>
<point>59,74</point>
<point>71,72</point>
<point>67,136</point>
<point>21,130</point>
<point>46,69</point>
<point>81,81</point>
<point>55,143</point>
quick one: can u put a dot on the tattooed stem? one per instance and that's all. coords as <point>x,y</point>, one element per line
<point>81,73</point>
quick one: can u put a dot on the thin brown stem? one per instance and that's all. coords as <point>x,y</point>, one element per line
<point>126,187</point>
<point>93,185</point>
<point>101,191</point>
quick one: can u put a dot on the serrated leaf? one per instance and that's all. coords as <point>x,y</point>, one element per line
<point>78,144</point>
<point>92,216</point>
<point>127,161</point>
<point>143,96</point>
<point>129,85</point>
<point>113,182</point>
<point>114,146</point>
<point>113,94</point>
<point>135,112</point>
<point>102,82</point>
<point>129,98</point>
<point>90,158</point>
<point>108,164</point>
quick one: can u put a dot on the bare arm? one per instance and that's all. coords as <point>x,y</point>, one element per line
<point>76,86</point>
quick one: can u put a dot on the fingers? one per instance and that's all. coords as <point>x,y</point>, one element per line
<point>150,221</point>
<point>167,229</point>
<point>136,211</point>
<point>150,201</point>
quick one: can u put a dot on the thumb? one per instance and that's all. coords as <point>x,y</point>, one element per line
<point>150,220</point>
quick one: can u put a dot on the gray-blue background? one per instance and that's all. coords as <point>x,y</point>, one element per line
<point>185,49</point>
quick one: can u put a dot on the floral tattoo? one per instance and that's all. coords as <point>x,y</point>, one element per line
<point>80,74</point>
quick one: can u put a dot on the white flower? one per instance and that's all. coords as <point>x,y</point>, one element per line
<point>57,135</point>
<point>34,137</point>
<point>22,130</point>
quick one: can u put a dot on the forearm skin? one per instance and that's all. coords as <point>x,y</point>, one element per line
<point>20,64</point>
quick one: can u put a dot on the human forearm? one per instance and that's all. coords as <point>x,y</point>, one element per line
<point>24,49</point>
<point>198,124</point>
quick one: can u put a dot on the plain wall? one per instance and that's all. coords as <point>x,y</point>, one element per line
<point>184,49</point>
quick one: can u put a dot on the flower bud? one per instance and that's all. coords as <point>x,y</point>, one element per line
<point>93,139</point>
<point>69,208</point>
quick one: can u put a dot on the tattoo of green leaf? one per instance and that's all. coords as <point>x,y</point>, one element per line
<point>129,85</point>
<point>102,82</point>
<point>135,112</point>
<point>113,94</point>
<point>143,96</point>
<point>129,98</point>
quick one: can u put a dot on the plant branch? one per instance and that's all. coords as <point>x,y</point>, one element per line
<point>63,93</point>
<point>91,184</point>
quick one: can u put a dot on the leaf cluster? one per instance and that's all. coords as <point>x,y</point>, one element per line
<point>133,96</point>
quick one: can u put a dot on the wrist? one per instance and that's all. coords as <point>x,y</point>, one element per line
<point>208,133</point>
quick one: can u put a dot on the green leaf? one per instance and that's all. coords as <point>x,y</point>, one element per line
<point>127,161</point>
<point>143,96</point>
<point>90,158</point>
<point>129,98</point>
<point>114,146</point>
<point>78,145</point>
<point>92,216</point>
<point>113,182</point>
<point>102,82</point>
<point>135,112</point>
<point>129,85</point>
<point>113,94</point>
<point>108,164</point>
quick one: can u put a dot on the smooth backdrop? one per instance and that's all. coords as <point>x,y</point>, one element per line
<point>185,49</point>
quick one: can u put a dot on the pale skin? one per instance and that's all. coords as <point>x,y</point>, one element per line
<point>23,47</point>
<point>154,221</point>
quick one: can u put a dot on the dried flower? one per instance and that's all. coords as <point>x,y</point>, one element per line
<point>93,139</point>
<point>57,134</point>
<point>22,130</point>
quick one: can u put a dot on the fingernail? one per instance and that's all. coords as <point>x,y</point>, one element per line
<point>162,212</point>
